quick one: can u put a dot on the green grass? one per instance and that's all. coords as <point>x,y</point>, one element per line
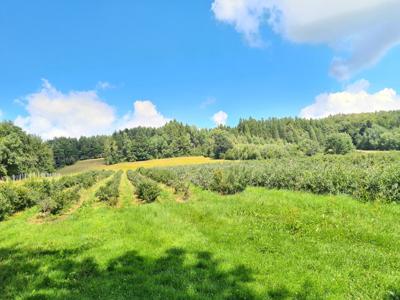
<point>83,166</point>
<point>255,245</point>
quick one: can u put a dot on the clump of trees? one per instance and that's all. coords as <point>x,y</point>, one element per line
<point>250,140</point>
<point>67,151</point>
<point>339,143</point>
<point>22,153</point>
<point>259,139</point>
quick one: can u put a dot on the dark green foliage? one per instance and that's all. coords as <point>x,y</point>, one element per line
<point>21,153</point>
<point>110,191</point>
<point>172,140</point>
<point>145,189</point>
<point>67,151</point>
<point>222,143</point>
<point>258,139</point>
<point>338,143</point>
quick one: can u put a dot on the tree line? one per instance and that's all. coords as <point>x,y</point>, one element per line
<point>250,139</point>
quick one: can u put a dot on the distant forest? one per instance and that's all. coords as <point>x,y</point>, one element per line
<point>250,139</point>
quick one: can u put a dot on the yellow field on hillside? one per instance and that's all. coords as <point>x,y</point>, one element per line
<point>94,164</point>
<point>166,162</point>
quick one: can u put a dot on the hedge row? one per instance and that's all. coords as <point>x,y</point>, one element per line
<point>169,178</point>
<point>110,191</point>
<point>146,189</point>
<point>66,190</point>
<point>51,195</point>
<point>365,177</point>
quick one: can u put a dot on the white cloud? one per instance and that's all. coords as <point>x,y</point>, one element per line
<point>145,114</point>
<point>104,85</point>
<point>361,32</point>
<point>1,114</point>
<point>52,113</point>
<point>77,113</point>
<point>355,99</point>
<point>220,118</point>
<point>208,102</point>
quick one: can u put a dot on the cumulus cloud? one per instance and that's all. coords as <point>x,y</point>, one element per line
<point>354,99</point>
<point>51,113</point>
<point>220,118</point>
<point>145,114</point>
<point>361,32</point>
<point>74,114</point>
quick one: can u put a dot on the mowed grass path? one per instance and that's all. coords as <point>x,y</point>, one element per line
<point>96,164</point>
<point>255,245</point>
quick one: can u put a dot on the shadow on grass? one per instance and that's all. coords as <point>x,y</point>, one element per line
<point>42,274</point>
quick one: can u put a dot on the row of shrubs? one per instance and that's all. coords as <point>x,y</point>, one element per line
<point>109,192</point>
<point>178,184</point>
<point>66,190</point>
<point>366,177</point>
<point>51,195</point>
<point>146,189</point>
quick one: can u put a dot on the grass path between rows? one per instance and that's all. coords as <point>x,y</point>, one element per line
<point>259,244</point>
<point>127,197</point>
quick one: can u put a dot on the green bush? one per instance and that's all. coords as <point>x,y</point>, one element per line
<point>339,143</point>
<point>110,191</point>
<point>5,206</point>
<point>179,184</point>
<point>227,182</point>
<point>58,200</point>
<point>145,189</point>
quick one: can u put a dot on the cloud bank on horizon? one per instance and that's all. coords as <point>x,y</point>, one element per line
<point>52,113</point>
<point>360,32</point>
<point>354,99</point>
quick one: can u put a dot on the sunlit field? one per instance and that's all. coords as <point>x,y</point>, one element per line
<point>256,244</point>
<point>96,164</point>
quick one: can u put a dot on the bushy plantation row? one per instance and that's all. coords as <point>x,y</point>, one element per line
<point>365,177</point>
<point>66,191</point>
<point>109,192</point>
<point>51,196</point>
<point>177,183</point>
<point>146,189</point>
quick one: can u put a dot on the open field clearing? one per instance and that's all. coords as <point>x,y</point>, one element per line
<point>258,244</point>
<point>82,166</point>
<point>95,164</point>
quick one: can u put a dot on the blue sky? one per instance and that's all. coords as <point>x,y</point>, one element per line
<point>188,59</point>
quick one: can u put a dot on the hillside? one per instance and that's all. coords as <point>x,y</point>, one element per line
<point>255,245</point>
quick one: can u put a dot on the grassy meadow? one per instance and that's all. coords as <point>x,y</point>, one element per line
<point>258,244</point>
